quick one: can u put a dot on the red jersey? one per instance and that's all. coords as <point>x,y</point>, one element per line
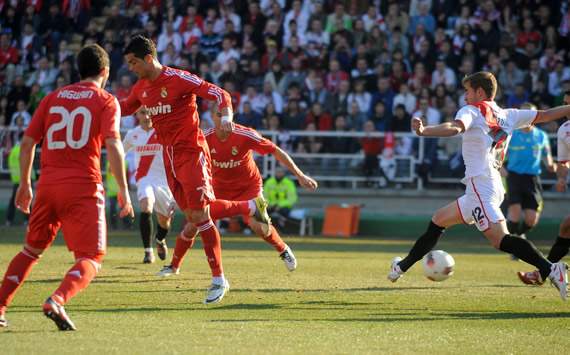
<point>171,103</point>
<point>74,122</point>
<point>233,167</point>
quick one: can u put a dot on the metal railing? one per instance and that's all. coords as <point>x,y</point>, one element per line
<point>341,169</point>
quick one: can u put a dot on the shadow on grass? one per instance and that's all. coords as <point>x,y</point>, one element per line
<point>399,317</point>
<point>130,239</point>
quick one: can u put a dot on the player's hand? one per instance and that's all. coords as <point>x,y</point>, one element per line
<point>227,124</point>
<point>124,200</point>
<point>308,182</point>
<point>561,185</point>
<point>24,197</point>
<point>417,125</point>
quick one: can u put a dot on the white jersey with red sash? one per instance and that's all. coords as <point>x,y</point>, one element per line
<point>488,130</point>
<point>148,154</point>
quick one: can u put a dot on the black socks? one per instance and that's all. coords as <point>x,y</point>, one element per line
<point>423,245</point>
<point>559,249</point>
<point>160,233</point>
<point>527,252</point>
<point>145,224</point>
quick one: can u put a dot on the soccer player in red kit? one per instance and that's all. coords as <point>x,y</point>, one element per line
<point>169,96</point>
<point>237,178</point>
<point>73,123</point>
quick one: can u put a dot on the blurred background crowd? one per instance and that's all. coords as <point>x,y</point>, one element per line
<point>318,65</point>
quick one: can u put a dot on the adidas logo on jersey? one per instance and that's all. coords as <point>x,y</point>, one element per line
<point>160,109</point>
<point>213,151</point>
<point>226,164</point>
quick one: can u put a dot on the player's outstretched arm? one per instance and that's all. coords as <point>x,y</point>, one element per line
<point>552,114</point>
<point>447,129</point>
<point>116,157</point>
<point>304,180</point>
<point>24,194</point>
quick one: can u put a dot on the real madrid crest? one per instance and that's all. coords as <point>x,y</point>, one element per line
<point>234,150</point>
<point>163,92</point>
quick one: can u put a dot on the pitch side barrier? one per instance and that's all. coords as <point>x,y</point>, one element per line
<point>411,156</point>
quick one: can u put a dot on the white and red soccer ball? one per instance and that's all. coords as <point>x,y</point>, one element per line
<point>438,265</point>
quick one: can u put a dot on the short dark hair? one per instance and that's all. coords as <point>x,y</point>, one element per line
<point>484,80</point>
<point>140,46</point>
<point>91,60</point>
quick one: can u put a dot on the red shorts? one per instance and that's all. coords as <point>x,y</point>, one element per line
<point>78,209</point>
<point>189,177</point>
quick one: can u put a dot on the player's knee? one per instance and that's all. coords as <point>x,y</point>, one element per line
<point>189,232</point>
<point>36,252</point>
<point>146,205</point>
<point>95,259</point>
<point>197,216</point>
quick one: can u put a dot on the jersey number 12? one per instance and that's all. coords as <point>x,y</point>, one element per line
<point>68,123</point>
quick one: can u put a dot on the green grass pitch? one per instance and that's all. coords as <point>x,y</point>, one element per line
<point>338,301</point>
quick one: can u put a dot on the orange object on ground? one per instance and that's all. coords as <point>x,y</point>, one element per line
<point>341,220</point>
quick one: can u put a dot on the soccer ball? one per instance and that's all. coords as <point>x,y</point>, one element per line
<point>438,265</point>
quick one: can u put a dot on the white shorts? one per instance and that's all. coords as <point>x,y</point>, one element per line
<point>481,203</point>
<point>158,194</point>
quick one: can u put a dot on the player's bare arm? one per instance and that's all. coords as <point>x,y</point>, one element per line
<point>549,162</point>
<point>562,175</point>
<point>447,129</point>
<point>552,114</point>
<point>24,194</point>
<point>116,158</point>
<point>304,180</point>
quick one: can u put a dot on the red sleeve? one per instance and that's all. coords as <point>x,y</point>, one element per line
<point>36,129</point>
<point>111,119</point>
<point>204,89</point>
<point>256,142</point>
<point>131,104</point>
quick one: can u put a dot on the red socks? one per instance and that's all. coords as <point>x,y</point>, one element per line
<point>76,279</point>
<point>223,209</point>
<point>212,246</point>
<point>183,244</point>
<point>275,240</point>
<point>16,274</point>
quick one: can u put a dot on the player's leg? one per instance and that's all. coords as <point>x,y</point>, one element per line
<point>274,239</point>
<point>532,205</point>
<point>443,218</point>
<point>256,208</point>
<point>525,250</point>
<point>87,239</point>
<point>557,252</point>
<point>146,197</point>
<point>164,207</point>
<point>213,250</point>
<point>184,242</point>
<point>162,228</point>
<point>562,244</point>
<point>514,199</point>
<point>42,231</point>
<point>514,213</point>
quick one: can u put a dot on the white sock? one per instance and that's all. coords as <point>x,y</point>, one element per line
<point>148,250</point>
<point>252,207</point>
<point>219,280</point>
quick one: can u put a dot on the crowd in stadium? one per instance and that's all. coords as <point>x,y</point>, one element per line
<point>302,64</point>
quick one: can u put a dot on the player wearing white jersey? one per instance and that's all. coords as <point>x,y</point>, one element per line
<point>152,188</point>
<point>562,244</point>
<point>486,130</point>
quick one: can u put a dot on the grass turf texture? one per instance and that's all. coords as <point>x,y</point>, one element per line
<point>338,301</point>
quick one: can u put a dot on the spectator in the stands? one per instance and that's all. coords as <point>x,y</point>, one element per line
<point>248,117</point>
